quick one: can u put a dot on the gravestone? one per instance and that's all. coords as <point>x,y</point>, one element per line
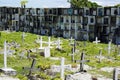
<point>31,69</point>
<point>109,47</point>
<point>82,61</point>
<point>46,52</point>
<point>22,55</point>
<point>72,55</point>
<point>71,40</point>
<point>0,35</point>
<point>41,43</point>
<point>62,68</point>
<point>96,40</point>
<point>116,72</point>
<point>100,55</point>
<point>28,54</point>
<point>58,44</point>
<point>5,69</point>
<point>23,37</point>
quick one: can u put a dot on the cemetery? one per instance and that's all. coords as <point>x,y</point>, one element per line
<point>27,56</point>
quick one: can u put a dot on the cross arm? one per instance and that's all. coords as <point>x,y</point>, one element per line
<point>82,61</point>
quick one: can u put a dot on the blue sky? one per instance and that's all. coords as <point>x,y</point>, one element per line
<point>51,3</point>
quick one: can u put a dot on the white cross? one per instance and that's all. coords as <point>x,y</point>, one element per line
<point>58,43</point>
<point>5,54</point>
<point>109,47</point>
<point>96,40</point>
<point>62,68</point>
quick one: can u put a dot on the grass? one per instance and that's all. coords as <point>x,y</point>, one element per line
<point>91,51</point>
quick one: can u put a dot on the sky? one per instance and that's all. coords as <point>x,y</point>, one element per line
<point>52,3</point>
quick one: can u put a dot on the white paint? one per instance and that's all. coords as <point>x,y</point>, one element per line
<point>109,47</point>
<point>62,68</point>
<point>96,40</point>
<point>47,52</point>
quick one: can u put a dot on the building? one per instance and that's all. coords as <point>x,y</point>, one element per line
<point>79,23</point>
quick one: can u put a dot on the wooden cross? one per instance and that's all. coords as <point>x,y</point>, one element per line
<point>96,40</point>
<point>28,54</point>
<point>73,51</point>
<point>31,69</point>
<point>74,46</point>
<point>82,61</point>
<point>72,55</point>
<point>116,72</point>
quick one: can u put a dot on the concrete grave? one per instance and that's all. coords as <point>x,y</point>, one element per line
<point>45,52</point>
<point>79,76</point>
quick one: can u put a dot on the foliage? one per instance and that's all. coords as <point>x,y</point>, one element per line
<point>83,3</point>
<point>117,5</point>
<point>44,76</point>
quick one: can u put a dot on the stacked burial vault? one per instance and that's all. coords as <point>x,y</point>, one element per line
<point>80,23</point>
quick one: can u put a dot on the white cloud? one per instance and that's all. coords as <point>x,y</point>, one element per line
<point>52,3</point>
<point>107,2</point>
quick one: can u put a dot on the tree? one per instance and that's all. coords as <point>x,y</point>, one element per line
<point>117,5</point>
<point>23,2</point>
<point>83,3</point>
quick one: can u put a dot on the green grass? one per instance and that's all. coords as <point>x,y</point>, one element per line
<point>91,51</point>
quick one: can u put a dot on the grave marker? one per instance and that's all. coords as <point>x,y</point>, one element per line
<point>62,68</point>
<point>71,41</point>
<point>5,69</point>
<point>22,55</point>
<point>116,72</point>
<point>100,55</point>
<point>96,40</point>
<point>31,69</point>
<point>46,52</point>
<point>5,55</point>
<point>28,54</point>
<point>109,47</point>
<point>58,44</point>
<point>0,35</point>
<point>72,55</point>
<point>23,37</point>
<point>41,42</point>
<point>82,61</point>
